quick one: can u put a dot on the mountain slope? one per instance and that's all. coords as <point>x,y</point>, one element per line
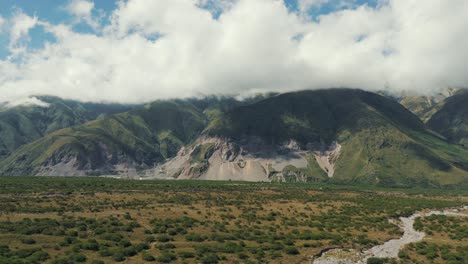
<point>338,135</point>
<point>380,141</point>
<point>115,144</point>
<point>452,119</point>
<point>422,106</point>
<point>23,124</point>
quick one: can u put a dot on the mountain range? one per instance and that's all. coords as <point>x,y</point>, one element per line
<point>344,136</point>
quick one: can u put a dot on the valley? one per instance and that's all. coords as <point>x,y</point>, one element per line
<point>102,220</point>
<point>234,132</point>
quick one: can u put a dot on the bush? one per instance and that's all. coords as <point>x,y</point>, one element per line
<point>403,255</point>
<point>290,250</point>
<point>166,257</point>
<point>166,246</point>
<point>148,257</point>
<point>163,238</point>
<point>38,256</point>
<point>129,251</point>
<point>209,258</point>
<point>78,257</point>
<point>28,241</point>
<point>150,239</point>
<point>112,237</point>
<point>375,261</point>
<point>118,256</point>
<point>194,237</point>
<point>141,246</point>
<point>186,255</point>
<point>91,244</point>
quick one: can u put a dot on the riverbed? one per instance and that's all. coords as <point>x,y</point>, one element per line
<point>390,248</point>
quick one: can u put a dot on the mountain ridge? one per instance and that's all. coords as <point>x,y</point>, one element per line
<point>335,135</point>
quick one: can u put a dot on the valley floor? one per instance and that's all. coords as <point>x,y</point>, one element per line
<point>97,220</point>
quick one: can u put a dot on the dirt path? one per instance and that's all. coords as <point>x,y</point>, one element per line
<point>390,248</point>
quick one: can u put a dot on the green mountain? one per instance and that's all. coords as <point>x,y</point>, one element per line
<point>137,138</point>
<point>339,135</point>
<point>381,142</point>
<point>422,106</point>
<point>23,124</point>
<point>452,119</point>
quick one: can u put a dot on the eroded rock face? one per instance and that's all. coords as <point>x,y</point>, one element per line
<point>249,159</point>
<point>214,158</point>
<point>67,167</point>
<point>326,156</point>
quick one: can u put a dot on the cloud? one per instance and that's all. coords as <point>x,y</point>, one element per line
<point>305,5</point>
<point>82,11</point>
<point>21,24</point>
<point>216,7</point>
<point>29,101</point>
<point>165,49</point>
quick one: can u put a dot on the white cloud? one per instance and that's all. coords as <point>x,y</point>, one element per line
<point>82,10</point>
<point>21,24</point>
<point>29,101</point>
<point>168,48</point>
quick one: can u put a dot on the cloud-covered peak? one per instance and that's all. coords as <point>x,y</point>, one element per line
<point>149,49</point>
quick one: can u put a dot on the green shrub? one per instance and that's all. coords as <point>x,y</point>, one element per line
<point>150,239</point>
<point>118,256</point>
<point>166,246</point>
<point>91,244</point>
<point>166,257</point>
<point>186,255</point>
<point>28,240</point>
<point>375,261</point>
<point>147,256</point>
<point>78,257</point>
<point>209,258</point>
<point>163,238</point>
<point>194,237</point>
<point>291,250</point>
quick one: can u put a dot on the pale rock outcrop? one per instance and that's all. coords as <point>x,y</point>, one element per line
<point>249,159</point>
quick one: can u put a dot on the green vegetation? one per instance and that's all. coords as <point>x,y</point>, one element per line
<point>24,124</point>
<point>452,119</point>
<point>445,241</point>
<point>144,136</point>
<point>422,106</point>
<point>87,220</point>
<point>382,143</point>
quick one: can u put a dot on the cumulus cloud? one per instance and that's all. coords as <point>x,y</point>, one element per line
<point>82,11</point>
<point>165,49</point>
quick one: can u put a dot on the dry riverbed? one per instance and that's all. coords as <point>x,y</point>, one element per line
<point>390,248</point>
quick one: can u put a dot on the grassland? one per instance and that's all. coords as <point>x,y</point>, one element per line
<point>99,220</point>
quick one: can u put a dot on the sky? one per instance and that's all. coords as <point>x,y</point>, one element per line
<point>137,51</point>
